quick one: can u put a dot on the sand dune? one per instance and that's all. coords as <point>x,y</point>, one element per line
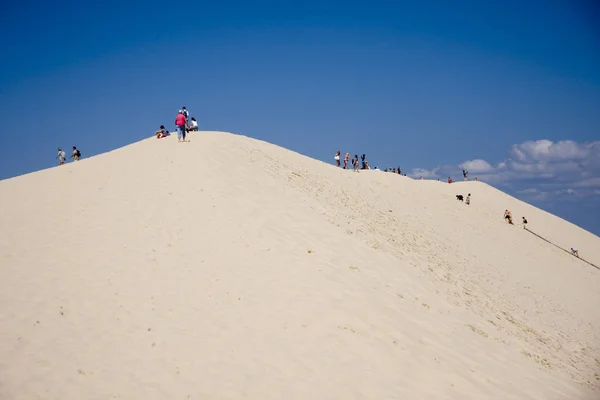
<point>230,268</point>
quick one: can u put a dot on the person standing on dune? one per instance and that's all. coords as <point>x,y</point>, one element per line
<point>181,123</point>
<point>337,158</point>
<point>186,114</point>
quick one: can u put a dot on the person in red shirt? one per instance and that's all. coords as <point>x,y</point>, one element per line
<point>181,123</point>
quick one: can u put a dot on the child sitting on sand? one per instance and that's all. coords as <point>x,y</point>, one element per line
<point>161,132</point>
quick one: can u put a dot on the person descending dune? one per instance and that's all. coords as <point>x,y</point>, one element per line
<point>508,217</point>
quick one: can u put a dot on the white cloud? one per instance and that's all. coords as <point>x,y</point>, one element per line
<point>529,191</point>
<point>547,151</point>
<point>477,165</point>
<point>424,173</point>
<point>590,182</point>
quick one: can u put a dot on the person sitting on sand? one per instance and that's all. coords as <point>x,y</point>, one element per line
<point>449,180</point>
<point>468,199</point>
<point>193,125</point>
<point>62,156</point>
<point>76,154</point>
<point>161,132</point>
<point>367,165</point>
<point>508,217</point>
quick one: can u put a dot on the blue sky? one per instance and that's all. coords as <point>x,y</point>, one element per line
<point>509,89</point>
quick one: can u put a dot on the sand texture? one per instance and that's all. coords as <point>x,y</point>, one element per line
<point>230,268</point>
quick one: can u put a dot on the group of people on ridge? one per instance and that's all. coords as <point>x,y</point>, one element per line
<point>356,165</point>
<point>183,125</point>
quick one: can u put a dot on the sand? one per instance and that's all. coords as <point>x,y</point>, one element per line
<point>230,268</point>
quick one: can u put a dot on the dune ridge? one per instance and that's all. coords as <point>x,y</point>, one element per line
<point>232,268</point>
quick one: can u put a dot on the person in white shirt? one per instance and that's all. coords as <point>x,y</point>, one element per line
<point>186,114</point>
<point>193,125</point>
<point>62,156</point>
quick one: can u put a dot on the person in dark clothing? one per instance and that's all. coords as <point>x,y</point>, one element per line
<point>76,154</point>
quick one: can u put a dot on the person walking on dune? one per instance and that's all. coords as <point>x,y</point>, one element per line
<point>62,156</point>
<point>180,122</point>
<point>76,154</point>
<point>508,217</point>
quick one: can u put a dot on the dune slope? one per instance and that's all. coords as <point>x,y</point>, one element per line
<point>231,268</point>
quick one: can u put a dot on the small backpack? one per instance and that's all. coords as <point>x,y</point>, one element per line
<point>78,153</point>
